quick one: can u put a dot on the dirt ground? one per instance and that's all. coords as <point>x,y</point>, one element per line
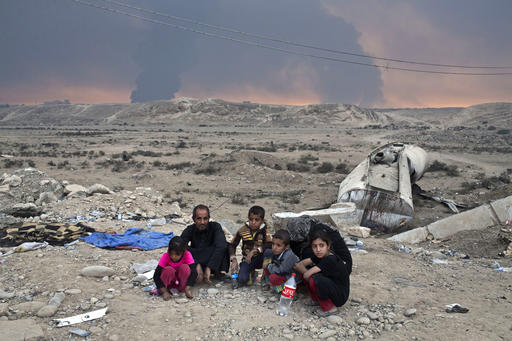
<point>231,168</point>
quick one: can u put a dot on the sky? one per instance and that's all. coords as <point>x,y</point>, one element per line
<point>60,49</point>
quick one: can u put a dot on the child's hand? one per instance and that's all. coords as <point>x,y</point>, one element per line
<point>234,265</point>
<point>249,256</point>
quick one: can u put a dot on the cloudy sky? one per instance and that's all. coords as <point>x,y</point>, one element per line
<point>60,49</point>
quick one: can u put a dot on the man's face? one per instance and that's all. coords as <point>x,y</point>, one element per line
<point>201,219</point>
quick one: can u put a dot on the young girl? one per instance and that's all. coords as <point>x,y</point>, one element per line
<point>325,275</point>
<point>174,269</point>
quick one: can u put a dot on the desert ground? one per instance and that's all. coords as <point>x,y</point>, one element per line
<point>230,162</point>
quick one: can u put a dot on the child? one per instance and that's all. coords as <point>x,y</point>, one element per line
<point>255,239</point>
<point>327,279</point>
<point>278,263</point>
<point>174,269</point>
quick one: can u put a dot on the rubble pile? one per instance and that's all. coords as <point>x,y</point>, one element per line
<point>29,195</point>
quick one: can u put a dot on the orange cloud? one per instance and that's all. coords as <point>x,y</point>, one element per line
<point>398,30</point>
<point>89,94</point>
<point>294,84</point>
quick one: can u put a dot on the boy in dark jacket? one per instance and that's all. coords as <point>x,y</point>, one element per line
<point>279,261</point>
<point>255,239</point>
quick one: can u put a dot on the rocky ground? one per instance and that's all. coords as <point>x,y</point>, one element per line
<point>147,173</point>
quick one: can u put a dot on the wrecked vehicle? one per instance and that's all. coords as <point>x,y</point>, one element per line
<point>381,186</point>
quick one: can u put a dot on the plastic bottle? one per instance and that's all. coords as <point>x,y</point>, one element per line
<point>234,280</point>
<point>287,296</point>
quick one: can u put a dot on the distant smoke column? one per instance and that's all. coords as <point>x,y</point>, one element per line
<point>162,57</point>
<point>168,52</point>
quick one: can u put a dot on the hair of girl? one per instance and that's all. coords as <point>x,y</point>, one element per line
<point>177,244</point>
<point>323,235</point>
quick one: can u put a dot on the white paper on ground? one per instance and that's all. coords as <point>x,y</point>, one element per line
<point>92,315</point>
<point>149,274</point>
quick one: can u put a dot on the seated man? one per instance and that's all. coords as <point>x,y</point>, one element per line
<point>207,244</point>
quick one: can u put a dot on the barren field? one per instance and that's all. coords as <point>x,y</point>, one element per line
<point>154,169</point>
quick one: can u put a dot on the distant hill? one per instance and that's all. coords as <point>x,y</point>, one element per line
<point>496,114</point>
<point>191,111</point>
<point>486,114</point>
<point>218,112</point>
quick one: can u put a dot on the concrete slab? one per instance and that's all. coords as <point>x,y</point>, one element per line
<point>411,237</point>
<point>21,330</point>
<point>503,209</point>
<point>476,219</point>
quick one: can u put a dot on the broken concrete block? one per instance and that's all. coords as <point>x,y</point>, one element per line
<point>411,237</point>
<point>503,209</point>
<point>359,231</point>
<point>475,219</point>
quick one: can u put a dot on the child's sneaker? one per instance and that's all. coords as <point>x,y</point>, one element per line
<point>252,278</point>
<point>278,288</point>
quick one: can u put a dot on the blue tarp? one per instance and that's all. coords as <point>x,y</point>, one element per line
<point>134,237</point>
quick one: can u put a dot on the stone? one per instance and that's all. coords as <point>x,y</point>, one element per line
<point>327,334</point>
<point>359,231</point>
<point>95,330</point>
<point>372,316</point>
<point>363,320</point>
<point>175,209</point>
<point>21,330</point>
<point>97,271</point>
<point>98,188</point>
<point>213,291</point>
<point>6,295</point>
<point>182,300</point>
<point>47,311</point>
<point>356,300</point>
<point>29,307</point>
<point>23,210</point>
<point>4,309</point>
<point>12,181</point>
<point>73,291</point>
<point>409,312</point>
<point>57,299</point>
<point>46,198</point>
<point>74,188</point>
<point>335,320</point>
<point>262,299</point>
